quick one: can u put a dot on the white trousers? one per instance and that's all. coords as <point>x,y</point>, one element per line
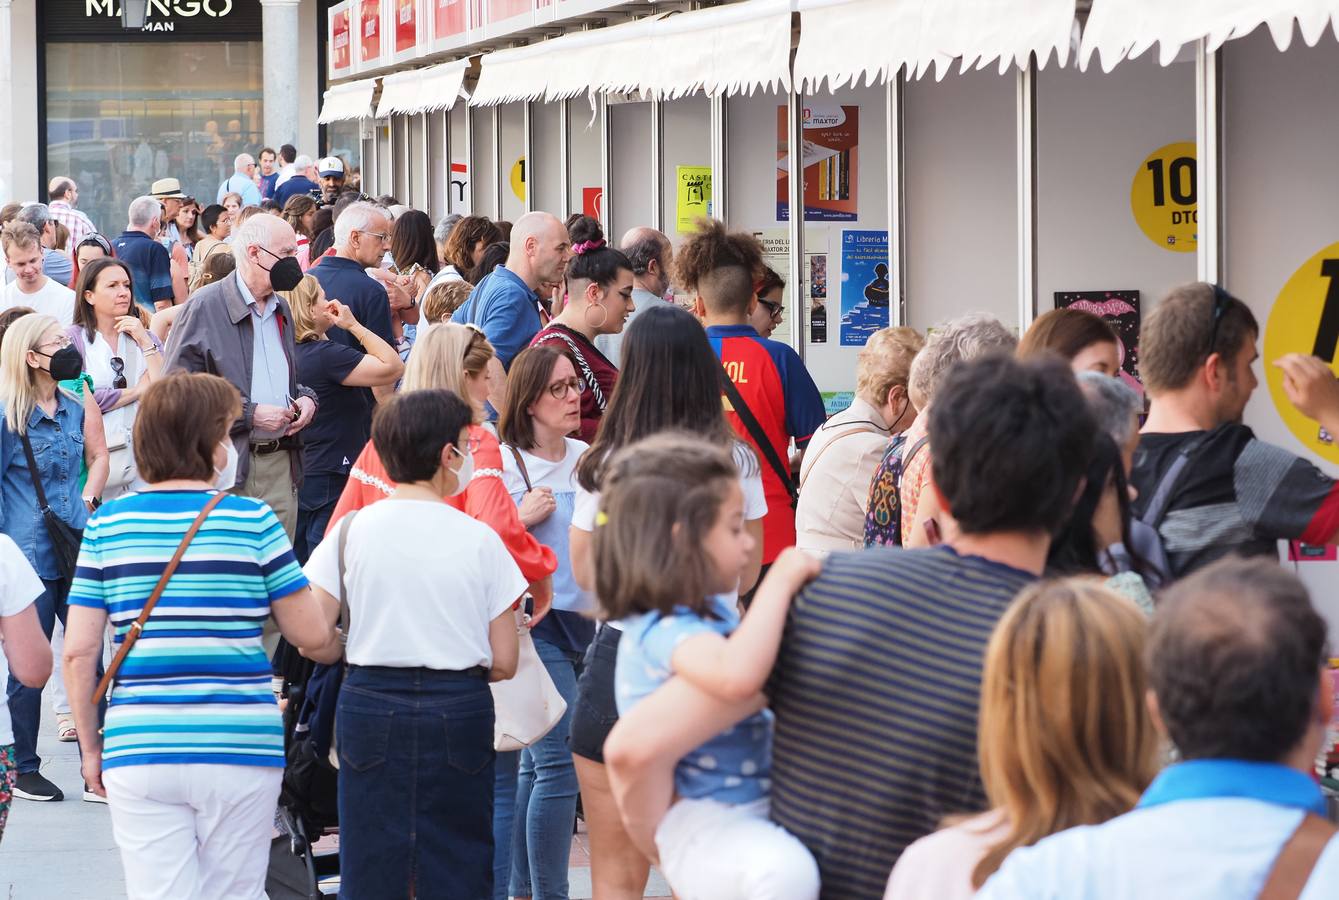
<point>193,831</point>
<point>718,851</point>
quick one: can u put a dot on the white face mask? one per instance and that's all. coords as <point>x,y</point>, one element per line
<point>227,476</point>
<point>463,474</point>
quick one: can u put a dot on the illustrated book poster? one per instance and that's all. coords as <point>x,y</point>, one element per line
<point>829,161</point>
<point>866,286</point>
<point>1121,310</point>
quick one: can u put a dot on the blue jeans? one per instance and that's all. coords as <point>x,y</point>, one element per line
<point>546,794</point>
<point>25,703</point>
<point>317,499</point>
<point>415,784</point>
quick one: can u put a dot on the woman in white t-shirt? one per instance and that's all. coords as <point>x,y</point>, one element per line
<point>670,380</point>
<point>428,631</point>
<point>24,651</point>
<point>539,469</point>
<point>121,357</point>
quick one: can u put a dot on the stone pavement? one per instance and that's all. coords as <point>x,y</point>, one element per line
<point>65,851</point>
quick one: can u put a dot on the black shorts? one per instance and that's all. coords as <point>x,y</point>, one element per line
<point>594,714</point>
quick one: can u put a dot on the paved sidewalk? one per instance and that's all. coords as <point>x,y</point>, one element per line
<point>65,851</point>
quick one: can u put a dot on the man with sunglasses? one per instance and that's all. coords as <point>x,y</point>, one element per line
<point>1204,481</point>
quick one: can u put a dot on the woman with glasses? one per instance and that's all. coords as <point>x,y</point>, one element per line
<point>119,355</point>
<point>217,224</point>
<point>539,461</point>
<point>766,316</point>
<point>455,358</point>
<point>599,301</point>
<point>92,247</point>
<point>45,423</point>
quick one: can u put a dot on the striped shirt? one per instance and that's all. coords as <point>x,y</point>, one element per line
<point>875,693</point>
<point>196,686</point>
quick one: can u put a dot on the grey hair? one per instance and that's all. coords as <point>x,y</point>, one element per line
<point>238,164</point>
<point>646,246</point>
<point>302,163</point>
<point>254,232</point>
<point>443,229</point>
<point>957,340</point>
<point>35,214</point>
<point>1114,404</point>
<point>144,210</point>
<point>356,217</point>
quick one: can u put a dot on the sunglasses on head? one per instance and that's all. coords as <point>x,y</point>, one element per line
<point>1222,301</point>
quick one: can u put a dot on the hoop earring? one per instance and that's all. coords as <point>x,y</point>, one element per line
<point>603,319</point>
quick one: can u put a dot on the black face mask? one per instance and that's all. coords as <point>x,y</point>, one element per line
<point>286,274</point>
<point>66,363</point>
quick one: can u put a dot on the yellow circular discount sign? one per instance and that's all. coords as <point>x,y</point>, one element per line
<point>518,179</point>
<point>1163,198</point>
<point>1305,319</point>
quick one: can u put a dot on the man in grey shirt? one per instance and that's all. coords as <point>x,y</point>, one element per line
<point>651,255</point>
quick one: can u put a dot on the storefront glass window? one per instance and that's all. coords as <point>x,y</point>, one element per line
<point>344,139</point>
<point>121,115</point>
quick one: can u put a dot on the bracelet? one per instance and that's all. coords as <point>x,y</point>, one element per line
<point>150,351</point>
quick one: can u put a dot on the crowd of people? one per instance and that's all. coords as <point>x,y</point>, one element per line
<point>516,525</point>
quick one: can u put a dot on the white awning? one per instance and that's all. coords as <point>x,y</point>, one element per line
<point>848,41</point>
<point>422,90</point>
<point>1124,29</point>
<point>732,49</point>
<point>350,100</point>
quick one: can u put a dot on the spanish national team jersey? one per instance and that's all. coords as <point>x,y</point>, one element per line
<point>196,686</point>
<point>775,385</point>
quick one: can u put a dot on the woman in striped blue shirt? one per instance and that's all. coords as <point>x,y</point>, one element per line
<point>193,750</point>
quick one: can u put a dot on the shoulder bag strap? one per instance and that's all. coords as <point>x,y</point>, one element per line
<point>912,451</point>
<point>32,470</point>
<point>344,615</point>
<point>807,466</point>
<point>1295,862</point>
<point>137,626</point>
<point>520,464</point>
<point>755,430</point>
<point>1162,494</point>
<point>580,359</point>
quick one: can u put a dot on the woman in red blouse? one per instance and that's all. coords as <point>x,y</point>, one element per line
<point>599,301</point>
<point>455,358</point>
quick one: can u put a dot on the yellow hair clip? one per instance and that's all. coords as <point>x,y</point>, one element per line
<point>601,518</point>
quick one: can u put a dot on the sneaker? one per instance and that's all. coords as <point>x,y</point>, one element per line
<point>91,797</point>
<point>65,730</point>
<point>33,786</point>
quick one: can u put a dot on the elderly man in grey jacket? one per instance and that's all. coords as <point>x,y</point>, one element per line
<point>242,330</point>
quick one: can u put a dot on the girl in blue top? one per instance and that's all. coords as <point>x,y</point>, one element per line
<point>669,540</point>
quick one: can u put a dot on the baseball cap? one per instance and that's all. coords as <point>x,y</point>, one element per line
<point>166,189</point>
<point>330,165</point>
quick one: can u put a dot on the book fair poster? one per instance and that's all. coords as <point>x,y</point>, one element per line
<point>866,286</point>
<point>829,162</point>
<point>776,253</point>
<point>1120,309</point>
<point>1162,198</point>
<point>692,196</point>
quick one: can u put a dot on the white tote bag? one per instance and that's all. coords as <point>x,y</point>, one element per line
<point>527,705</point>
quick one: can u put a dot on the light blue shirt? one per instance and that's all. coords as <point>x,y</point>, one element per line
<point>238,183</point>
<point>1205,830</point>
<point>269,365</point>
<point>611,345</point>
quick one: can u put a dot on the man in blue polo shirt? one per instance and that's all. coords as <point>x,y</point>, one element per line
<point>362,233</point>
<point>149,262</point>
<point>505,304</point>
<point>1237,667</point>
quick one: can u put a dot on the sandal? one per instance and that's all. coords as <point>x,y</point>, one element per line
<point>65,730</point>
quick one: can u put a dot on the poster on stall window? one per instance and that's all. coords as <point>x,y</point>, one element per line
<point>448,18</point>
<point>829,161</point>
<point>1120,309</point>
<point>341,60</point>
<point>776,253</point>
<point>592,203</point>
<point>866,285</point>
<point>692,199</point>
<point>369,20</point>
<point>406,25</point>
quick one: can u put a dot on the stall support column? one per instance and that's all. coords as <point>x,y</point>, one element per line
<point>657,164</point>
<point>446,159</point>
<point>7,186</point>
<point>795,197</point>
<point>282,37</point>
<point>564,159</point>
<point>373,184</point>
<point>528,148</point>
<point>1208,169</point>
<point>897,243</point>
<point>718,207</point>
<point>427,163</point>
<point>497,163</point>
<point>471,175</point>
<point>1026,158</point>
<point>606,167</point>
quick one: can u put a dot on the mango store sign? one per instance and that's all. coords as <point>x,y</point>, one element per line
<point>161,15</point>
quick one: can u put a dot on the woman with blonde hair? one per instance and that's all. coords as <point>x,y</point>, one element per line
<point>845,451</point>
<point>42,445</point>
<point>1065,736</point>
<point>343,423</point>
<point>456,358</point>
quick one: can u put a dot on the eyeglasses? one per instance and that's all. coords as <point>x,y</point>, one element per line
<point>560,389</point>
<point>375,234</point>
<point>119,373</point>
<point>774,309</point>
<point>59,343</point>
<point>472,445</point>
<point>1222,300</point>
